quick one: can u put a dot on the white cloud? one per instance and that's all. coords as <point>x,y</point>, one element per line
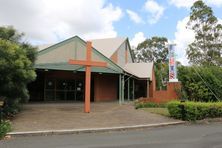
<point>155,10</point>
<point>53,20</point>
<point>220,21</point>
<point>134,16</point>
<point>217,3</point>
<point>182,3</point>
<point>189,3</point>
<point>183,37</point>
<point>138,38</point>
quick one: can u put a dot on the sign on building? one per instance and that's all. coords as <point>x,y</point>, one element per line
<point>172,64</point>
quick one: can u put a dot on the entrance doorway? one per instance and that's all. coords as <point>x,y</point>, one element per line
<point>63,90</point>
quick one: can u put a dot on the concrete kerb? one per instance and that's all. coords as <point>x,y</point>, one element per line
<point>91,130</point>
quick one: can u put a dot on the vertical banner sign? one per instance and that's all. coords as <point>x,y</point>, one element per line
<point>172,64</point>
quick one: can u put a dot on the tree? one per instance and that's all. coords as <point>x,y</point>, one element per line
<point>155,50</point>
<point>16,67</point>
<point>207,46</point>
<point>152,50</point>
<point>161,73</point>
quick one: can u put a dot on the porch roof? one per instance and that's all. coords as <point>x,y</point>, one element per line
<point>67,67</point>
<point>140,70</point>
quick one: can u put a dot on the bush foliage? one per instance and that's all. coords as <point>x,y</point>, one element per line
<point>16,68</point>
<point>145,104</point>
<point>201,83</point>
<point>195,110</point>
<point>5,127</point>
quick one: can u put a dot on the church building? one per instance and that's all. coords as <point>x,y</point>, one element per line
<point>121,79</point>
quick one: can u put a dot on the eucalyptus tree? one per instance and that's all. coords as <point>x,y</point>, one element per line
<point>155,50</point>
<point>206,49</point>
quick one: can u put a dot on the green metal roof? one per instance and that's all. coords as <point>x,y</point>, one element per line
<point>68,67</point>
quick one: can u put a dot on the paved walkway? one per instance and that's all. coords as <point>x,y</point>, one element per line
<point>60,116</point>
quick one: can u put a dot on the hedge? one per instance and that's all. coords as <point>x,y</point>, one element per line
<point>193,86</point>
<point>192,111</point>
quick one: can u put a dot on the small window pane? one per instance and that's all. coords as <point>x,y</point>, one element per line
<point>50,84</point>
<point>61,85</point>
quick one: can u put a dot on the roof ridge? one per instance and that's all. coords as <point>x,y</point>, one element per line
<point>108,38</point>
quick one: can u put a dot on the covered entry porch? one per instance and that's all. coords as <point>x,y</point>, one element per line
<point>63,86</point>
<point>69,86</point>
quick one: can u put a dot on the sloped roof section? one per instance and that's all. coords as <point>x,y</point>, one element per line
<point>60,52</point>
<point>42,47</point>
<point>141,70</point>
<point>107,46</point>
<point>57,56</point>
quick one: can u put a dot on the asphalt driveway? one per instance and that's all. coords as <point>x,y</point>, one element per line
<point>60,116</point>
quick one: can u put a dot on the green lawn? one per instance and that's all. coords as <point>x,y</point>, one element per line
<point>160,111</point>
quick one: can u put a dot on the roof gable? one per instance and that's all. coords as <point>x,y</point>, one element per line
<point>57,56</point>
<point>58,53</point>
<point>108,46</point>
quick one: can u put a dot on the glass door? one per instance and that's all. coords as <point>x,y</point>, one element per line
<point>71,92</point>
<point>63,89</point>
<point>79,90</point>
<point>61,86</point>
<point>49,90</point>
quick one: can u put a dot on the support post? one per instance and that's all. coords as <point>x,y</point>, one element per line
<point>88,77</point>
<point>44,88</point>
<point>120,89</point>
<point>123,86</point>
<point>128,91</point>
<point>147,89</point>
<point>133,89</point>
<point>87,89</point>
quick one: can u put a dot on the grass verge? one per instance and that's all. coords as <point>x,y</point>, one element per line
<point>160,111</point>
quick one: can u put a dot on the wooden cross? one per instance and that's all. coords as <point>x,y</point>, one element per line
<point>87,63</point>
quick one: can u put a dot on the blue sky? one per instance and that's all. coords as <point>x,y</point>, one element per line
<point>51,21</point>
<point>171,23</point>
<point>165,26</point>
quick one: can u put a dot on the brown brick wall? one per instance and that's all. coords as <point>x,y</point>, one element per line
<point>152,85</point>
<point>162,96</point>
<point>105,87</point>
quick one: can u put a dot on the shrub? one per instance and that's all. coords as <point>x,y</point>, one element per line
<point>194,110</point>
<point>11,108</point>
<point>198,82</point>
<point>146,104</point>
<point>5,127</point>
<point>16,68</point>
